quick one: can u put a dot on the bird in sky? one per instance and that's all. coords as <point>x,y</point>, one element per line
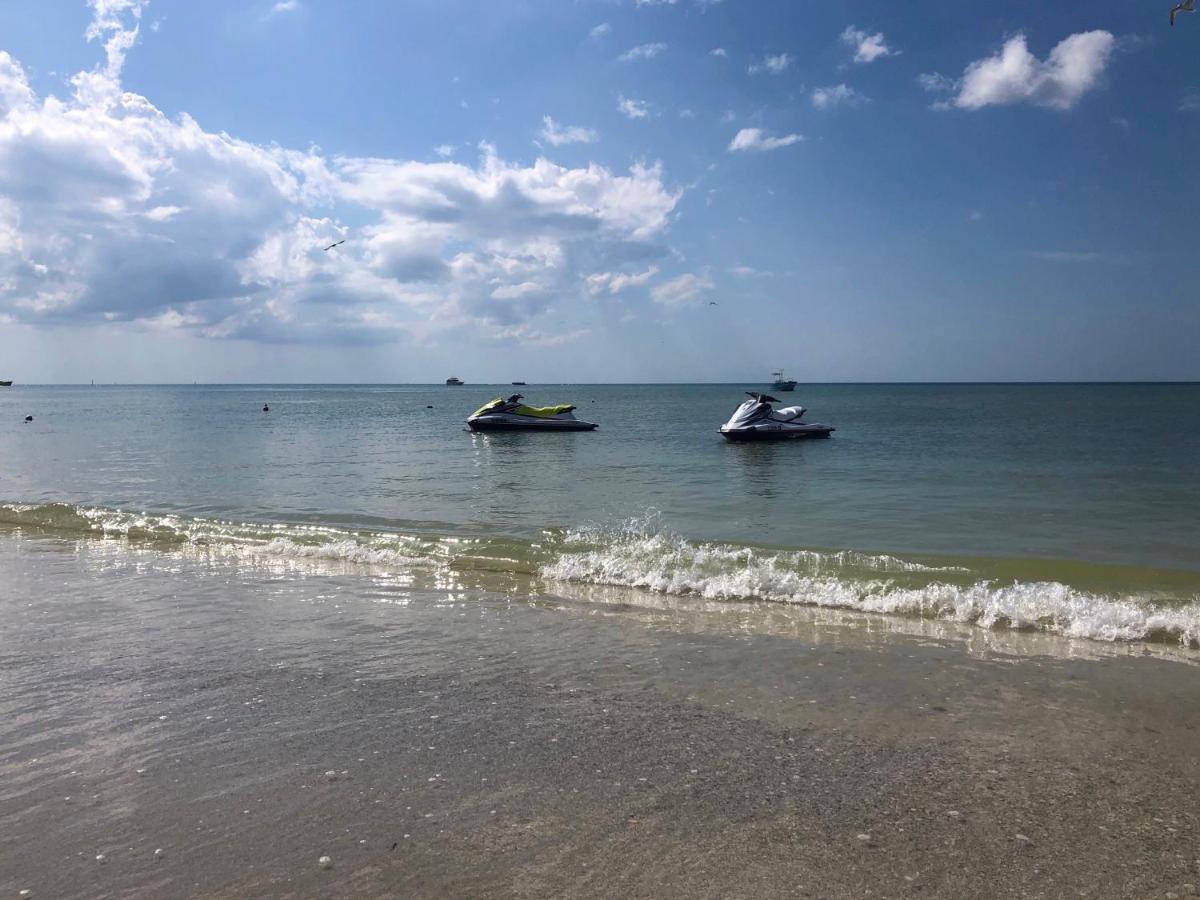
<point>1185,6</point>
<point>712,302</point>
<point>343,240</point>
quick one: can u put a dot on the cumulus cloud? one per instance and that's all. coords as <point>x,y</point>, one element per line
<point>1014,75</point>
<point>113,212</point>
<point>684,290</point>
<point>600,31</point>
<point>643,51</point>
<point>615,282</point>
<point>718,51</point>
<point>773,64</point>
<point>757,139</point>
<point>836,95</point>
<point>284,6</point>
<point>867,47</point>
<point>554,133</point>
<point>445,151</point>
<point>634,109</point>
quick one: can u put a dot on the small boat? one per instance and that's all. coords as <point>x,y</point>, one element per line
<point>757,420</point>
<point>5,384</point>
<point>454,381</point>
<point>513,415</point>
<point>519,384</point>
<point>779,383</point>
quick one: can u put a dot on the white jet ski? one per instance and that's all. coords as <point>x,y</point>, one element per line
<point>757,420</point>
<point>513,415</point>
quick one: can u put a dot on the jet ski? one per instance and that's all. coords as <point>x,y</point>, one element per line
<point>513,415</point>
<point>757,420</point>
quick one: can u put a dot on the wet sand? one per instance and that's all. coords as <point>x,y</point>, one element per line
<point>247,720</point>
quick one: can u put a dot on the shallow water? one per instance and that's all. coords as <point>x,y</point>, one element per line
<point>1062,508</point>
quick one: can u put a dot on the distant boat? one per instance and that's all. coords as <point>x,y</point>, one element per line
<point>779,383</point>
<point>521,383</point>
<point>455,381</point>
<point>5,384</point>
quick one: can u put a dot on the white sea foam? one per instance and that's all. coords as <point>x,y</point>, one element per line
<point>640,558</point>
<point>641,555</point>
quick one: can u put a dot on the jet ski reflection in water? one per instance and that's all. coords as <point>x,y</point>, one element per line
<point>513,415</point>
<point>757,420</point>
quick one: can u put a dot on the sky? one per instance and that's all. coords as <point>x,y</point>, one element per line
<point>598,191</point>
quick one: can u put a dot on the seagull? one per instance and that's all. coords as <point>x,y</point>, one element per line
<point>343,240</point>
<point>1185,6</point>
<point>712,302</point>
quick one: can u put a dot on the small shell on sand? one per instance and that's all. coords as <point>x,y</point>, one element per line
<point>100,857</point>
<point>160,853</point>
<point>325,862</point>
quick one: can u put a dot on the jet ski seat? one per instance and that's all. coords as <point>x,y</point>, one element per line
<point>789,413</point>
<point>544,412</point>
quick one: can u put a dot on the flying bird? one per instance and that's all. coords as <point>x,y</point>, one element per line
<point>343,240</point>
<point>712,302</point>
<point>1185,6</point>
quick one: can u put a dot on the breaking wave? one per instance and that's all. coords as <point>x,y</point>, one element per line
<point>641,554</point>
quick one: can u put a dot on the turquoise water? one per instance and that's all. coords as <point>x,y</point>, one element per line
<point>1070,498</point>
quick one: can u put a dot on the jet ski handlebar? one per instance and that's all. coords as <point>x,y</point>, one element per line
<point>515,398</point>
<point>761,398</point>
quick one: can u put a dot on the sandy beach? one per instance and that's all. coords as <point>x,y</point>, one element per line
<point>484,744</point>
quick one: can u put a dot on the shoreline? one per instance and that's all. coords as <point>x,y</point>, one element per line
<point>625,751</point>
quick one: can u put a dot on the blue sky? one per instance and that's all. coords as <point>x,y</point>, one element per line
<point>597,191</point>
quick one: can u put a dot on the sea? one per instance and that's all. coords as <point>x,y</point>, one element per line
<point>1051,509</point>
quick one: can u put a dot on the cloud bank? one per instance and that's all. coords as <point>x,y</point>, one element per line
<point>111,212</point>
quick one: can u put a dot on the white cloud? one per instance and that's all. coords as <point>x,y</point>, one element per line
<point>836,95</point>
<point>1014,75</point>
<point>687,114</point>
<point>557,134</point>
<point>284,6</point>
<point>655,2</point>
<point>1189,102</point>
<point>684,290</point>
<point>600,31</point>
<point>718,51</point>
<point>111,212</point>
<point>975,216</point>
<point>773,64</point>
<point>445,151</point>
<point>751,272</point>
<point>867,47</point>
<point>642,51</point>
<point>757,139</point>
<point>936,83</point>
<point>615,282</point>
<point>634,109</point>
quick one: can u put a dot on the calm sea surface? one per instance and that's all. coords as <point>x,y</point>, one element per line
<point>1032,505</point>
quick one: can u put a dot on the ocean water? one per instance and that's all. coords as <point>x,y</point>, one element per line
<point>1072,509</point>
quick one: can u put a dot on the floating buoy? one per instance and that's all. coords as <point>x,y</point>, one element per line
<point>266,408</point>
<point>29,418</point>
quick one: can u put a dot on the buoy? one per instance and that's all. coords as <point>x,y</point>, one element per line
<point>325,862</point>
<point>266,408</point>
<point>29,418</point>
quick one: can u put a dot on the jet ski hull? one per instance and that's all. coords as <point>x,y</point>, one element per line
<point>526,423</point>
<point>777,434</point>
